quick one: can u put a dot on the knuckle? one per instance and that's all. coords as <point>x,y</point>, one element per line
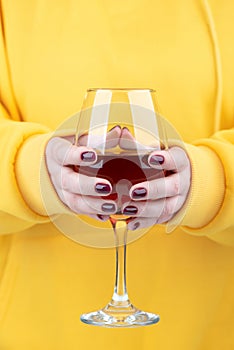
<point>81,184</point>
<point>176,187</point>
<point>74,203</point>
<point>153,188</point>
<point>70,153</point>
<point>167,209</point>
<point>91,206</point>
<point>65,181</point>
<point>176,184</point>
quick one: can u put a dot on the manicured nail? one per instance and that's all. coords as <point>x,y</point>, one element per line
<point>116,126</point>
<point>136,225</point>
<point>108,207</point>
<point>130,210</point>
<point>102,188</point>
<point>101,217</point>
<point>88,156</point>
<point>139,192</point>
<point>156,160</point>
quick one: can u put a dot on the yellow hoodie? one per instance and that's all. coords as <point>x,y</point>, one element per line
<point>50,53</point>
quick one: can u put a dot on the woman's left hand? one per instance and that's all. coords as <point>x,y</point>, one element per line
<point>158,200</point>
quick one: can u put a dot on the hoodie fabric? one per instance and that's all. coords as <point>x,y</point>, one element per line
<point>50,53</point>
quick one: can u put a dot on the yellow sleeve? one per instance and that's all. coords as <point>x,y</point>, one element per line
<point>16,211</point>
<point>210,206</point>
<point>24,175</point>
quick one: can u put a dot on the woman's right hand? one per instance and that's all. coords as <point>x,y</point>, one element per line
<point>80,193</point>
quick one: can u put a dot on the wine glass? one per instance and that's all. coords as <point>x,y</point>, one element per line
<point>123,160</point>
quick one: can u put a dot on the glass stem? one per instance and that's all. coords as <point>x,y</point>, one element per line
<point>120,295</point>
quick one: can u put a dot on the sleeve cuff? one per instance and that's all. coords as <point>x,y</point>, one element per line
<point>33,178</point>
<point>206,193</point>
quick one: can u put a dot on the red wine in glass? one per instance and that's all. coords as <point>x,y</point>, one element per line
<point>123,170</point>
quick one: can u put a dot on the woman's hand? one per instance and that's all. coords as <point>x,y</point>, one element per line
<point>157,201</point>
<point>80,193</point>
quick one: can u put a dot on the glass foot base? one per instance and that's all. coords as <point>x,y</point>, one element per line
<point>123,316</point>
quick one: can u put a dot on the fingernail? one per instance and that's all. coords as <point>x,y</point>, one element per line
<point>136,225</point>
<point>108,207</point>
<point>130,210</point>
<point>88,156</point>
<point>102,188</point>
<point>101,217</point>
<point>116,126</point>
<point>156,160</point>
<point>139,192</point>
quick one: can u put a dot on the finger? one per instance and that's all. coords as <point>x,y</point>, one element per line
<point>161,208</point>
<point>127,141</point>
<point>139,223</point>
<point>64,153</point>
<point>99,217</point>
<point>162,187</point>
<point>70,138</point>
<point>173,159</point>
<point>76,183</point>
<point>88,205</point>
<point>111,138</point>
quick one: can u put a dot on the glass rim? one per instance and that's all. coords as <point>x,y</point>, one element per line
<point>120,89</point>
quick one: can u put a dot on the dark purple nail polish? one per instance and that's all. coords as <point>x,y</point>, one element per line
<point>130,210</point>
<point>108,207</point>
<point>116,126</point>
<point>139,192</point>
<point>102,188</point>
<point>136,225</point>
<point>101,217</point>
<point>156,160</point>
<point>88,156</point>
